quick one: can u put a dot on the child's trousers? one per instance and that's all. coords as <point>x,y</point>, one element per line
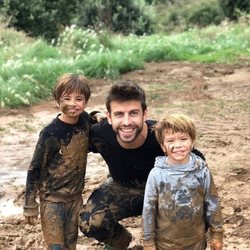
<point>60,223</point>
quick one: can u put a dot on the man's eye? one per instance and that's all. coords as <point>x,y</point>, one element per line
<point>134,113</point>
<point>118,114</point>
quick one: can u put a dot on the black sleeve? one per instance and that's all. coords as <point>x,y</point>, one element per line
<point>198,153</point>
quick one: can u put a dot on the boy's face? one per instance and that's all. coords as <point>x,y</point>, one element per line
<point>177,147</point>
<point>71,105</point>
<point>127,119</point>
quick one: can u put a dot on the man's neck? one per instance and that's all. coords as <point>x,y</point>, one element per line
<point>138,142</point>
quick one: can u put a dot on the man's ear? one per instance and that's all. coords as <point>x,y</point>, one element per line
<point>109,118</point>
<point>145,115</point>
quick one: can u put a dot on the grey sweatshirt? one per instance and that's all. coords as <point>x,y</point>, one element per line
<point>180,203</point>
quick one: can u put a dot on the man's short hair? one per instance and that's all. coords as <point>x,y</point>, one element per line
<point>126,90</point>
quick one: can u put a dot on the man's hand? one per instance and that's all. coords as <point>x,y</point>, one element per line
<point>100,116</point>
<point>216,244</point>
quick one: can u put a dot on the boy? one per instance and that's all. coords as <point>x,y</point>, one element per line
<point>181,200</point>
<point>58,166</point>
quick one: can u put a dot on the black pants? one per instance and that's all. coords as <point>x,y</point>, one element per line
<point>107,205</point>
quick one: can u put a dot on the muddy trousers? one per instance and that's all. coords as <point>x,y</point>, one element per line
<point>107,205</point>
<point>60,223</point>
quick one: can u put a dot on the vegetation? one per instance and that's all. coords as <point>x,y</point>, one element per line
<point>105,38</point>
<point>30,67</point>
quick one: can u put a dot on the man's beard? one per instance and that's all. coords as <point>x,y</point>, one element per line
<point>136,131</point>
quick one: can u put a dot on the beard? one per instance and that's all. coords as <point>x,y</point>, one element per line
<point>128,136</point>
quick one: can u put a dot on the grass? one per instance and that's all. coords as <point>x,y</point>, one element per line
<point>30,67</point>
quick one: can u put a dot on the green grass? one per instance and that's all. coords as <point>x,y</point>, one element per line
<point>30,67</point>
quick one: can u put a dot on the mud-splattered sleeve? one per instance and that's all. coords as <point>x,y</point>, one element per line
<point>149,211</point>
<point>213,209</point>
<point>33,178</point>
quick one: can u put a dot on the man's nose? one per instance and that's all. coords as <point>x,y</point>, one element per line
<point>126,120</point>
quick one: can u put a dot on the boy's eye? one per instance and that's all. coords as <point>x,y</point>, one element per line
<point>65,98</point>
<point>80,99</point>
<point>169,141</point>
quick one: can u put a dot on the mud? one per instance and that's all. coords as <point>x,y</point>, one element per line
<point>217,98</point>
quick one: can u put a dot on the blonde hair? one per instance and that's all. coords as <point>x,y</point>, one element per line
<point>175,123</point>
<point>68,83</point>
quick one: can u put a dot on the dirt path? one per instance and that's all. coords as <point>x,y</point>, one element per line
<point>217,97</point>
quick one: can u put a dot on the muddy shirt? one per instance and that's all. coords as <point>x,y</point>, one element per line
<point>129,167</point>
<point>179,201</point>
<point>58,166</point>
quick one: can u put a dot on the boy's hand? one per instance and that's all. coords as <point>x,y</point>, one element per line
<point>30,220</point>
<point>149,245</point>
<point>149,248</point>
<point>216,244</point>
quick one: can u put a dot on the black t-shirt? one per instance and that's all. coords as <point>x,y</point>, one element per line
<point>129,167</point>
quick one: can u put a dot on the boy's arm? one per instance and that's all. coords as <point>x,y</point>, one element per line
<point>33,177</point>
<point>213,214</point>
<point>149,213</point>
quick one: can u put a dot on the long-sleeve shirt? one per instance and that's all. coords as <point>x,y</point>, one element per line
<point>58,166</point>
<point>129,167</point>
<point>180,202</point>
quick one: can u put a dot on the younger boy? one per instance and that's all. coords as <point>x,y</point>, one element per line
<point>58,166</point>
<point>181,200</point>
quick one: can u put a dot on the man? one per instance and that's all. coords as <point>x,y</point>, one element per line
<point>129,147</point>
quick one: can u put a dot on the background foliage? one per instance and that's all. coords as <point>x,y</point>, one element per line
<point>105,38</point>
<point>48,18</point>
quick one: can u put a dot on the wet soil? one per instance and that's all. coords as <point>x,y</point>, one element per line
<point>216,96</point>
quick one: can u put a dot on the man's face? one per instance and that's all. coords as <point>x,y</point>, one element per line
<point>127,119</point>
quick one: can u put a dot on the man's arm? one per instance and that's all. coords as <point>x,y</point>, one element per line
<point>198,153</point>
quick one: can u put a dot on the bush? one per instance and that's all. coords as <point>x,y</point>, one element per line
<point>118,16</point>
<point>231,7</point>
<point>45,18</point>
<point>206,14</point>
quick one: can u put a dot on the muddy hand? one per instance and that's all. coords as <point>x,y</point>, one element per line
<point>30,220</point>
<point>216,245</point>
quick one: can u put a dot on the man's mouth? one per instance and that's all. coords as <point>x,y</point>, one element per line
<point>126,132</point>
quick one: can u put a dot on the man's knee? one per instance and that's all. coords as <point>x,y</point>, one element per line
<point>95,224</point>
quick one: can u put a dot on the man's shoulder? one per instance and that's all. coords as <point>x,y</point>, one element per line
<point>102,127</point>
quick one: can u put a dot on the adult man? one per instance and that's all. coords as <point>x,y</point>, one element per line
<point>128,145</point>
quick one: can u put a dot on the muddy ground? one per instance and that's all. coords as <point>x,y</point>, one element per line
<point>216,96</point>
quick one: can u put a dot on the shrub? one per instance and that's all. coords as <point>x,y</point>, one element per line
<point>45,18</point>
<point>231,7</point>
<point>206,14</point>
<point>118,16</point>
